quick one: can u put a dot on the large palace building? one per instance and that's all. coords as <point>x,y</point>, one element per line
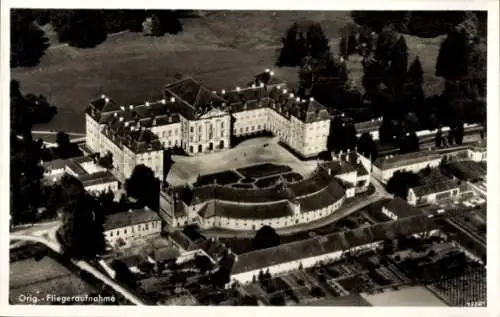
<point>199,120</point>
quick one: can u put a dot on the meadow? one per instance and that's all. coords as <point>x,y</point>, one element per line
<point>221,49</point>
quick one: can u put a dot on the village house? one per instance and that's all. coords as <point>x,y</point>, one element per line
<point>125,227</point>
<point>94,177</point>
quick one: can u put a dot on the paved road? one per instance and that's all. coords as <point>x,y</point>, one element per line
<point>344,211</point>
<point>46,235</point>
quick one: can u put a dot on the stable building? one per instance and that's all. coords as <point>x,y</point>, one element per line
<point>434,192</point>
<point>310,252</point>
<point>398,208</point>
<point>384,167</point>
<point>284,204</point>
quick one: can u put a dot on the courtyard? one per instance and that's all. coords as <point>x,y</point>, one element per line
<point>254,163</point>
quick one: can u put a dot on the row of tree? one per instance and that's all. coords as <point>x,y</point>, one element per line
<point>82,28</point>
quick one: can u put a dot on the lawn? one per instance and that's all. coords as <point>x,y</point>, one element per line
<point>131,68</point>
<point>263,170</point>
<point>222,178</point>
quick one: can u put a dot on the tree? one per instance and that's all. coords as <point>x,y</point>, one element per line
<point>409,143</point>
<point>452,60</point>
<point>221,277</point>
<point>342,135</point>
<point>401,182</point>
<point>289,53</point>
<point>261,276</point>
<point>277,300</point>
<point>123,273</point>
<point>106,161</point>
<point>396,63</point>
<point>317,43</point>
<point>367,147</point>
<point>266,237</point>
<point>65,148</point>
<point>167,163</point>
<point>439,138</point>
<point>169,21</point>
<point>459,133</point>
<point>144,186</point>
<point>80,28</point>
<point>202,263</point>
<point>27,42</point>
<point>451,137</point>
<point>415,73</point>
<point>152,26</point>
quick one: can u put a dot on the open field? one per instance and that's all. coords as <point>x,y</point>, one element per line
<point>413,296</point>
<point>222,49</point>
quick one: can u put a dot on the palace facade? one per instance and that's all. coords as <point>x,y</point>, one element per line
<point>198,120</point>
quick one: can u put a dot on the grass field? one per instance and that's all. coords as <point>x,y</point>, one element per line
<point>222,49</point>
<point>47,276</point>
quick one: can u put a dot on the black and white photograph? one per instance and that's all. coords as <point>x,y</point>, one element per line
<point>163,157</point>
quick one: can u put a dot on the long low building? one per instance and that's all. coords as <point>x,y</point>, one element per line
<point>310,252</point>
<point>281,205</point>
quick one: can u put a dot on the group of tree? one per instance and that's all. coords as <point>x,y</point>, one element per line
<point>455,136</point>
<point>301,41</point>
<point>82,28</point>
<point>27,41</point>
<point>395,91</point>
<point>28,110</point>
<point>26,173</point>
<point>81,232</point>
